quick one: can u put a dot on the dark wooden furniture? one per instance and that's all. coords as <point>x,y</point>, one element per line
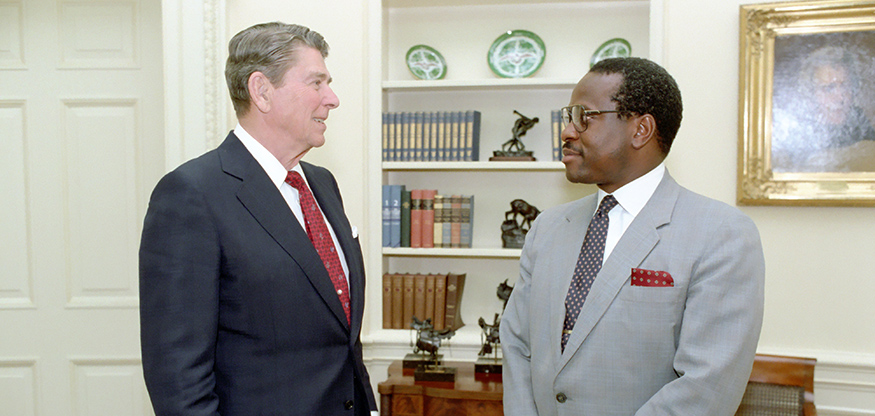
<point>779,385</point>
<point>400,395</point>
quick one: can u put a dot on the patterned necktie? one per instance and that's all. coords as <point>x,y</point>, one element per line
<point>589,263</point>
<point>321,239</point>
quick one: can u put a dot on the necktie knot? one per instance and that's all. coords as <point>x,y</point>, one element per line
<point>608,203</point>
<point>295,180</point>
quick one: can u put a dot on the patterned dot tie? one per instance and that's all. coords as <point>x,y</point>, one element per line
<point>321,239</point>
<point>589,263</point>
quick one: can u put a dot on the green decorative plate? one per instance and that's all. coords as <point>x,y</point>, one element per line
<point>426,63</point>
<point>614,48</point>
<point>516,54</point>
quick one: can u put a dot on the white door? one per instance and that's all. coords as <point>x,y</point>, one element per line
<point>81,146</point>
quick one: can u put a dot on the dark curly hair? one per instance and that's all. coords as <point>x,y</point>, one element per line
<point>647,88</point>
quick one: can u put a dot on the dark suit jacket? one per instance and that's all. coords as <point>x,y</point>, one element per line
<point>238,314</point>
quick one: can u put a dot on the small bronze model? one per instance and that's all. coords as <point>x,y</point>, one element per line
<point>514,149</point>
<point>517,222</point>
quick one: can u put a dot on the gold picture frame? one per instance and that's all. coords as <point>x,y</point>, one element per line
<point>807,103</point>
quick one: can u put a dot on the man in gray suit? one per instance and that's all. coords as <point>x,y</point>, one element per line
<point>650,306</point>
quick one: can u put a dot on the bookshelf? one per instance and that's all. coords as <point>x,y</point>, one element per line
<point>462,31</point>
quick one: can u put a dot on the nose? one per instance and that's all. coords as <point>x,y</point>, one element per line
<point>569,133</point>
<point>330,99</point>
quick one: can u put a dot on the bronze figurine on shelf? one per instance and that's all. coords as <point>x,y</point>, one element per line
<point>513,231</point>
<point>514,149</point>
<point>425,359</point>
<point>491,365</point>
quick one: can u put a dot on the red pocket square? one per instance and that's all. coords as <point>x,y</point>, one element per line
<point>644,277</point>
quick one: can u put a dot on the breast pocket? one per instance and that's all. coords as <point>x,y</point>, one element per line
<point>645,294</point>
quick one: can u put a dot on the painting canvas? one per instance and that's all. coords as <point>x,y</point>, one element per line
<point>807,103</point>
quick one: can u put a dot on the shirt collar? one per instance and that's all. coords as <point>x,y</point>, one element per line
<point>634,195</point>
<point>271,165</point>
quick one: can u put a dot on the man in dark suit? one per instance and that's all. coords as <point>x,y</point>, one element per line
<point>251,277</point>
<point>649,305</point>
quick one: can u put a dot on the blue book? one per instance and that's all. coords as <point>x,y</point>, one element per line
<point>472,135</point>
<point>556,130</point>
<point>440,136</point>
<point>395,215</point>
<point>386,216</point>
<point>385,136</point>
<point>405,137</point>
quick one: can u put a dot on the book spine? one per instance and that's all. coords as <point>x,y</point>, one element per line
<point>432,136</point>
<point>429,297</point>
<point>417,136</point>
<point>395,137</point>
<point>465,221</point>
<point>385,136</point>
<point>453,315</point>
<point>440,299</point>
<point>427,209</point>
<point>408,298</point>
<point>415,218</point>
<point>475,136</point>
<point>469,136</point>
<point>440,146</point>
<point>405,137</point>
<point>556,128</point>
<point>454,136</point>
<point>387,216</point>
<point>456,221</point>
<point>438,220</point>
<point>405,218</point>
<point>419,296</point>
<point>397,301</point>
<point>395,215</point>
<point>387,301</point>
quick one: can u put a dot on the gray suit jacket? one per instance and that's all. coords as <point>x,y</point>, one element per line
<point>685,350</point>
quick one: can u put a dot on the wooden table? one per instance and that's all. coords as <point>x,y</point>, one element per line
<point>400,395</point>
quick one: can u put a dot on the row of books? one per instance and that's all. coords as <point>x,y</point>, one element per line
<point>426,296</point>
<point>421,218</point>
<point>431,136</point>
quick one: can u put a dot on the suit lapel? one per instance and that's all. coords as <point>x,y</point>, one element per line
<point>568,247</point>
<point>262,199</point>
<point>634,246</point>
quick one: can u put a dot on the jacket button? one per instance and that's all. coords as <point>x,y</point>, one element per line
<point>561,397</point>
<point>347,405</point>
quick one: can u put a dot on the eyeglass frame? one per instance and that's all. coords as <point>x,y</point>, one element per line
<point>567,114</point>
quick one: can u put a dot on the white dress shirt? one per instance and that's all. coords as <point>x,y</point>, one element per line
<point>631,199</point>
<point>277,174</point>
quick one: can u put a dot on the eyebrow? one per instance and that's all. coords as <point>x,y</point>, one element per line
<point>321,76</point>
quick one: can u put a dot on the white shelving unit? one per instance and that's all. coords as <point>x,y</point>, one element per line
<point>462,31</point>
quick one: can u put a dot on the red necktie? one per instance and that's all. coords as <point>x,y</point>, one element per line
<point>321,238</point>
<point>589,263</point>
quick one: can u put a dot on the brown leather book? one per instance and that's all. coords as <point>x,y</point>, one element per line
<point>453,314</point>
<point>419,296</point>
<point>397,301</point>
<point>440,298</point>
<point>387,301</point>
<point>407,312</point>
<point>429,297</point>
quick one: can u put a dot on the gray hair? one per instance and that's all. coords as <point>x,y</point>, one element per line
<point>269,48</point>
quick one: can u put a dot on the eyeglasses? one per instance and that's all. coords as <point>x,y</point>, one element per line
<point>577,115</point>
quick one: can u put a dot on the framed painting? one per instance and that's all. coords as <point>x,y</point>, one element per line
<point>807,103</point>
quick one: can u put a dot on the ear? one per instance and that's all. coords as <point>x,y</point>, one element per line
<point>645,131</point>
<point>260,91</point>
